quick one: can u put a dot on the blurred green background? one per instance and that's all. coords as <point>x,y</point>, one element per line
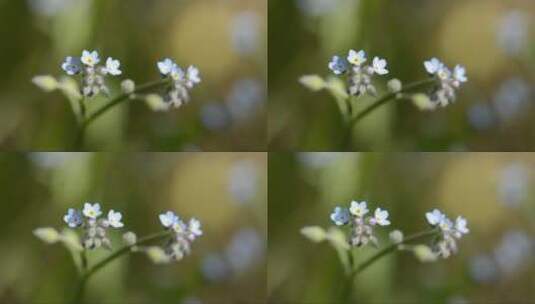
<point>227,192</point>
<point>494,39</point>
<point>226,40</point>
<point>494,191</point>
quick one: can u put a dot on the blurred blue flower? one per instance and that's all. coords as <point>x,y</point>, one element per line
<point>245,32</point>
<point>243,181</point>
<point>245,250</point>
<point>514,184</point>
<point>340,216</point>
<point>245,98</point>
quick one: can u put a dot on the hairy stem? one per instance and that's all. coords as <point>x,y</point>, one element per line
<point>383,252</point>
<point>112,103</point>
<point>379,102</point>
<point>125,249</point>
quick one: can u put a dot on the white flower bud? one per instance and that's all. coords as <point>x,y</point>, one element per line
<point>396,236</point>
<point>394,85</point>
<point>128,86</point>
<point>130,238</point>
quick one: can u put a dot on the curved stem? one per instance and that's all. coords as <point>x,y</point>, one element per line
<point>115,101</point>
<point>364,265</point>
<point>410,87</point>
<point>126,249</point>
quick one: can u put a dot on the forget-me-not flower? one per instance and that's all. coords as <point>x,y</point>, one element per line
<point>112,67</point>
<point>92,210</point>
<point>338,65</point>
<point>73,218</point>
<point>340,216</point>
<point>114,219</point>
<point>168,219</point>
<point>90,58</point>
<point>71,65</point>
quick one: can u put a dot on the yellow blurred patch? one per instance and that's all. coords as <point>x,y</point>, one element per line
<point>201,34</point>
<point>469,37</point>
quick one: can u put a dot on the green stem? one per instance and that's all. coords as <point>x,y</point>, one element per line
<point>408,88</point>
<point>389,249</point>
<point>115,101</point>
<point>83,258</point>
<point>125,249</point>
<point>379,102</point>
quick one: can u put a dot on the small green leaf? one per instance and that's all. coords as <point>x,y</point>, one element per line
<point>313,82</point>
<point>47,235</point>
<point>46,83</point>
<point>314,233</point>
<point>337,88</point>
<point>337,238</point>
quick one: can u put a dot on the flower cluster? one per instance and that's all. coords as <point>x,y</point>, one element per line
<point>93,74</point>
<point>446,244</point>
<point>183,234</point>
<point>94,228</point>
<point>361,225</point>
<point>177,93</point>
<point>359,74</point>
<point>448,81</point>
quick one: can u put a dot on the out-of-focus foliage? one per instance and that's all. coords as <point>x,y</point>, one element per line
<point>227,192</point>
<point>225,39</point>
<point>494,191</point>
<point>492,38</point>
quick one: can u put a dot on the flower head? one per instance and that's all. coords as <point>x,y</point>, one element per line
<point>71,65</point>
<point>356,58</point>
<point>448,82</point>
<point>112,67</point>
<point>114,219</point>
<point>92,210</point>
<point>379,66</point>
<point>179,245</point>
<point>90,58</point>
<point>358,209</point>
<point>177,92</point>
<point>338,65</point>
<point>73,218</point>
<point>168,219</point>
<point>446,244</point>
<point>340,216</point>
<point>93,75</point>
